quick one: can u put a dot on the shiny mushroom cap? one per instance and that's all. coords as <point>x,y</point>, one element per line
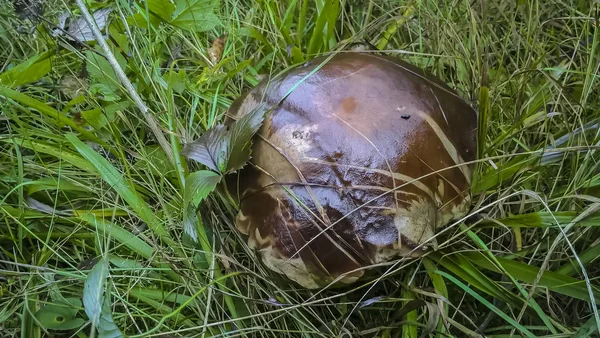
<point>361,163</point>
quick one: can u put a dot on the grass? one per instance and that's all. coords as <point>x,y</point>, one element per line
<point>92,234</point>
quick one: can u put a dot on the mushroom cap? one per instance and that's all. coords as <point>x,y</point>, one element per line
<point>359,164</point>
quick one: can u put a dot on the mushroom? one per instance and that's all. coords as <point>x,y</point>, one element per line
<point>361,160</point>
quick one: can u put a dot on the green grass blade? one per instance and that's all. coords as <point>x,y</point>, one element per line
<point>58,118</point>
<point>489,305</point>
<point>122,186</point>
<point>562,284</point>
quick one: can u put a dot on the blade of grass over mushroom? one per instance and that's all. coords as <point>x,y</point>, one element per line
<point>482,123</point>
<point>122,185</point>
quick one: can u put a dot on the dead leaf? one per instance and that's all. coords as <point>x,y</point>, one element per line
<point>78,29</point>
<point>72,86</point>
<point>215,52</point>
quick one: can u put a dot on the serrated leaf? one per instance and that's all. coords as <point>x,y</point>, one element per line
<point>198,185</point>
<point>211,149</point>
<point>189,222</point>
<point>27,71</point>
<point>96,300</point>
<point>241,135</point>
<point>195,15</point>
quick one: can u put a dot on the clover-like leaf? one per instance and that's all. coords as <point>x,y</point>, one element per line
<point>241,134</point>
<point>211,149</point>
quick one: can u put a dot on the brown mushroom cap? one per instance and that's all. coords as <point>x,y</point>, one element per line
<point>361,163</point>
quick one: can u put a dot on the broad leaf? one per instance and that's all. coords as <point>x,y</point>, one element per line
<point>211,149</point>
<point>197,187</point>
<point>195,15</point>
<point>27,71</point>
<point>93,291</point>
<point>242,133</point>
<point>60,316</point>
<point>95,301</point>
<point>161,8</point>
<point>102,72</point>
<point>107,327</point>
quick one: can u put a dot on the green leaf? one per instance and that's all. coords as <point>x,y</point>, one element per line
<point>93,291</point>
<point>101,71</point>
<point>106,93</point>
<point>107,327</point>
<point>60,316</point>
<point>27,71</point>
<point>242,132</point>
<point>95,118</point>
<point>162,8</point>
<point>211,149</point>
<point>118,182</point>
<point>198,185</point>
<point>195,15</point>
<point>176,80</point>
<point>95,301</point>
<point>320,37</point>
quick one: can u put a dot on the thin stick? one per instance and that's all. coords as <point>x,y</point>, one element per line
<point>125,81</point>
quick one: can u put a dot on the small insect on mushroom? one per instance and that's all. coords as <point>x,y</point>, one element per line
<point>359,164</point>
